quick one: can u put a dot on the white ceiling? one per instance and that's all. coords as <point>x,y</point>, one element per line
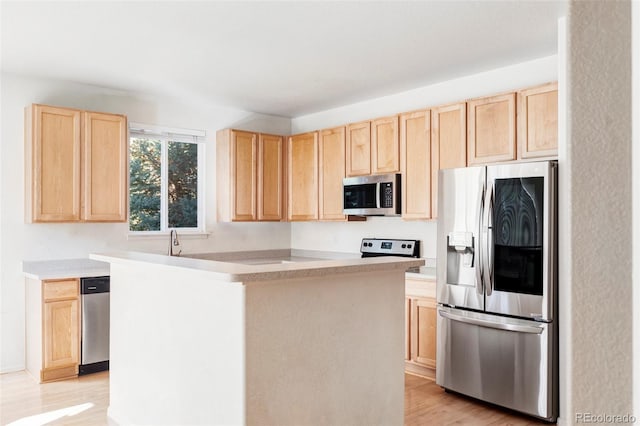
<point>284,58</point>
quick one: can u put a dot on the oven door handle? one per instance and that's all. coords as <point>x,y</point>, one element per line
<point>519,328</point>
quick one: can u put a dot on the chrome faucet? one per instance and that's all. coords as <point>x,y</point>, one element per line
<point>173,241</point>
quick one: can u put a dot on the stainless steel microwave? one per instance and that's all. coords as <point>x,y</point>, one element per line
<point>374,195</point>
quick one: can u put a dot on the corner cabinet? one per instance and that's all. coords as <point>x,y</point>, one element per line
<point>421,327</point>
<point>491,125</point>
<point>271,180</point>
<point>76,165</point>
<point>249,176</point>
<point>53,328</point>
<point>302,177</point>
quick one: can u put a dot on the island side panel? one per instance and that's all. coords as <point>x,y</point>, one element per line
<point>326,350</point>
<point>176,347</point>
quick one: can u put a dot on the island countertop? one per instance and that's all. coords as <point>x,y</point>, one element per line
<point>270,337</point>
<point>264,265</point>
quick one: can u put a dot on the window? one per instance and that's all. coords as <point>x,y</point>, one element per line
<point>165,185</point>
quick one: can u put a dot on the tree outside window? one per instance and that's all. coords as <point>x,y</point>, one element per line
<point>163,189</point>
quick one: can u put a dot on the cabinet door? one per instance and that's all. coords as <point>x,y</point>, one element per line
<point>53,151</point>
<point>407,328</point>
<point>491,129</point>
<point>105,160</point>
<point>538,121</point>
<point>270,177</point>
<point>415,160</point>
<point>244,153</point>
<point>385,147</point>
<point>332,170</point>
<point>61,333</point>
<point>423,329</point>
<point>302,177</point>
<point>448,144</point>
<point>359,149</point>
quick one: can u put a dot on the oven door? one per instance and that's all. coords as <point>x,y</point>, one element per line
<point>521,240</point>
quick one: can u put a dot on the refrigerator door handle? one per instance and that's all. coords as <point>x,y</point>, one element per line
<point>519,328</point>
<point>488,241</point>
<point>479,252</point>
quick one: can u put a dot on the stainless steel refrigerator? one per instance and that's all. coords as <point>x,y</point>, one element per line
<point>497,285</point>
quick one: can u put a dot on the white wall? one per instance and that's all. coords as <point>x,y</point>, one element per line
<point>635,109</point>
<point>22,241</point>
<point>347,236</point>
<point>599,333</point>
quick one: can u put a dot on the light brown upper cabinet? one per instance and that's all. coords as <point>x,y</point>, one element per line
<point>448,144</point>
<point>271,177</point>
<point>385,145</point>
<point>373,147</point>
<point>415,162</point>
<point>491,129</point>
<point>332,160</point>
<point>358,149</point>
<point>249,176</point>
<point>76,165</point>
<point>302,177</point>
<point>538,121</point>
<point>105,159</point>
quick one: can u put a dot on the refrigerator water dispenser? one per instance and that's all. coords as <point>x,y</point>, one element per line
<point>460,258</point>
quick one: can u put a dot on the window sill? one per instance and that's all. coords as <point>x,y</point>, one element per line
<point>163,235</point>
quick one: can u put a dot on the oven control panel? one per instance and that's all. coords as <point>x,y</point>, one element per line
<point>389,247</point>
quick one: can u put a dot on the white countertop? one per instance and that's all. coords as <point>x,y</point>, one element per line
<point>269,265</point>
<point>64,268</point>
<point>424,273</point>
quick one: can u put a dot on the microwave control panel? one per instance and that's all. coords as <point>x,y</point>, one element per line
<point>387,194</point>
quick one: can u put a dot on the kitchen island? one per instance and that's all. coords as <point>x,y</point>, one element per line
<point>256,340</point>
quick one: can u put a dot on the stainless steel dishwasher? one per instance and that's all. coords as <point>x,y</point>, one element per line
<point>94,354</point>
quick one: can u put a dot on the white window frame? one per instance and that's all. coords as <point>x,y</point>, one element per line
<point>166,135</point>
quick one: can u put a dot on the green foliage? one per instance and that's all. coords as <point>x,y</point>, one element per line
<point>183,185</point>
<point>145,184</point>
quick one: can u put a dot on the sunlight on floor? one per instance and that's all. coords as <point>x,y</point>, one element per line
<point>44,418</point>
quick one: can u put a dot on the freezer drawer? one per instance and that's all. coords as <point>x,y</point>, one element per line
<point>505,361</point>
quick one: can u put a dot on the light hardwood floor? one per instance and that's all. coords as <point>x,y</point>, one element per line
<point>84,401</point>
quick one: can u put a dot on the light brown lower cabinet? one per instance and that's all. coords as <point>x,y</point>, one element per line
<point>421,326</point>
<point>53,328</point>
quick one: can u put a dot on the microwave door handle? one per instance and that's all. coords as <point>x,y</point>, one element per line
<point>478,243</point>
<point>488,243</point>
<point>378,195</point>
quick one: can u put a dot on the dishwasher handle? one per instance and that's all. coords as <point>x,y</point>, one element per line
<point>94,285</point>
